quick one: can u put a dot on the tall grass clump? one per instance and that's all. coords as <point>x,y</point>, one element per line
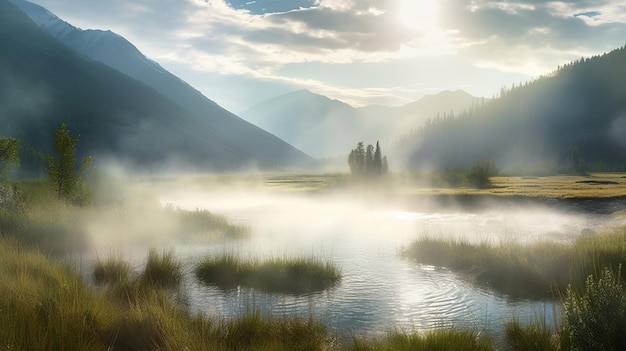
<point>111,270</point>
<point>596,318</point>
<point>254,332</point>
<point>536,336</point>
<point>440,339</point>
<point>44,306</point>
<point>534,271</point>
<point>282,275</point>
<point>162,269</point>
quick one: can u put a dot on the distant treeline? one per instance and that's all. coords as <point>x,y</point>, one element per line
<point>572,120</point>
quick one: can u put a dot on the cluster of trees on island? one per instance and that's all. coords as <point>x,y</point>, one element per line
<point>367,161</point>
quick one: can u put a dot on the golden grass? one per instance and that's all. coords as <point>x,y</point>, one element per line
<point>558,186</point>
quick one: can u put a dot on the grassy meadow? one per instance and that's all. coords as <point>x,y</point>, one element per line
<point>600,186</point>
<point>48,305</point>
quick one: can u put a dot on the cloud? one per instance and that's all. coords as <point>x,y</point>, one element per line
<point>533,36</point>
<point>258,39</point>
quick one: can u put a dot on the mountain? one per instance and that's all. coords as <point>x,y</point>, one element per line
<point>413,115</point>
<point>43,83</point>
<point>323,127</point>
<point>313,123</point>
<point>571,120</point>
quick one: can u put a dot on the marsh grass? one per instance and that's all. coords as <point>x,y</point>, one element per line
<point>537,270</point>
<point>162,269</point>
<point>281,275</point>
<point>203,222</point>
<point>537,336</point>
<point>440,339</point>
<point>111,270</point>
<point>45,306</point>
<point>530,271</point>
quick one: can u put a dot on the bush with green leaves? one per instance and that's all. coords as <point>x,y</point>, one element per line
<point>9,156</point>
<point>62,172</point>
<point>595,319</point>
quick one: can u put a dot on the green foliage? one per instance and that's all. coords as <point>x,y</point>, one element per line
<point>367,162</point>
<point>33,163</point>
<point>62,172</point>
<point>596,318</point>
<point>9,156</point>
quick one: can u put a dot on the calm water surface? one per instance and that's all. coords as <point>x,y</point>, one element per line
<point>379,290</point>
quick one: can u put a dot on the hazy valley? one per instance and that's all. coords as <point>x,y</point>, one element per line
<point>138,214</point>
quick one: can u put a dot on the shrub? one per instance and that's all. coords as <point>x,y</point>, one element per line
<point>596,318</point>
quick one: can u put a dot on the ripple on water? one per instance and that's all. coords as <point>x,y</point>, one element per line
<point>379,291</point>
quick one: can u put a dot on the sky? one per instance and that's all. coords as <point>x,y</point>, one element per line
<point>391,52</point>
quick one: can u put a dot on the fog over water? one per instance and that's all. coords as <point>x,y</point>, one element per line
<point>379,290</point>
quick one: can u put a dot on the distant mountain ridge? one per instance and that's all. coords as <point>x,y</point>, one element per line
<point>324,127</point>
<point>43,82</point>
<point>229,142</point>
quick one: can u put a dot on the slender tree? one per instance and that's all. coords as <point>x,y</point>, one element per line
<point>62,171</point>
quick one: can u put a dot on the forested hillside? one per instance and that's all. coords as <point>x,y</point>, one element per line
<point>571,120</point>
<point>44,83</point>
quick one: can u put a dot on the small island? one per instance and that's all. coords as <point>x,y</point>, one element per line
<point>276,275</point>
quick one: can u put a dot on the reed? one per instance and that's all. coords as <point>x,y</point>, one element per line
<point>439,339</point>
<point>45,306</point>
<point>537,336</point>
<point>162,269</point>
<point>111,270</point>
<point>280,275</point>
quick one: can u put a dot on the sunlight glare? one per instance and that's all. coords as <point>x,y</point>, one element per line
<point>418,14</point>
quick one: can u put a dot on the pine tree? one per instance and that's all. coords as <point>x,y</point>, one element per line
<point>369,160</point>
<point>378,161</point>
